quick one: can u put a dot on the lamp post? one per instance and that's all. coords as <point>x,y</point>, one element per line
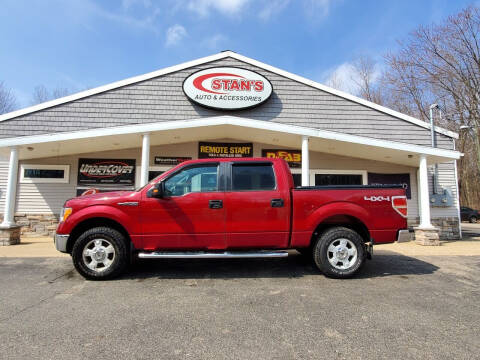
<point>434,145</point>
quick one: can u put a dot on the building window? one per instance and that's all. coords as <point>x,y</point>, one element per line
<point>338,177</point>
<point>152,174</point>
<point>297,179</point>
<point>44,173</point>
<point>155,171</point>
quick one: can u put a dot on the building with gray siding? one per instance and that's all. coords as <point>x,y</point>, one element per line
<point>148,119</point>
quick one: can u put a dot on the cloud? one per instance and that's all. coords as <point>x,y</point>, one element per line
<point>272,7</point>
<point>345,78</point>
<point>214,41</point>
<point>175,34</point>
<point>127,4</point>
<point>317,8</point>
<point>87,12</point>
<point>227,7</point>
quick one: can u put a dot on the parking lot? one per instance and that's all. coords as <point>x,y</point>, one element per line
<point>403,305</point>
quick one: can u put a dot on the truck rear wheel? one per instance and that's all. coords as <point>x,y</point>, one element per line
<point>339,252</point>
<point>100,253</point>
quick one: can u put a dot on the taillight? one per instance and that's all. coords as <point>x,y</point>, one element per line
<point>399,204</point>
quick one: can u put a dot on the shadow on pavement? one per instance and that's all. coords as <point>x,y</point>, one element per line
<point>384,264</point>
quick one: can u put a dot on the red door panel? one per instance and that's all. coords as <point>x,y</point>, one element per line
<point>183,222</point>
<point>190,215</point>
<point>256,218</point>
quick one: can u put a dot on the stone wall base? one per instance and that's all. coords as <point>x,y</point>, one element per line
<point>448,226</point>
<point>427,237</point>
<point>46,224</point>
<point>10,236</point>
<point>36,224</point>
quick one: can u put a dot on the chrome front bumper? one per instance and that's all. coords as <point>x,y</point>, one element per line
<point>403,236</point>
<point>61,242</point>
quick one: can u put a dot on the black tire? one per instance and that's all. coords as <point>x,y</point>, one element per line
<point>473,219</point>
<point>334,236</point>
<point>117,262</point>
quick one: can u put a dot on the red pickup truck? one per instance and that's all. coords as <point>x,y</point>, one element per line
<point>230,208</point>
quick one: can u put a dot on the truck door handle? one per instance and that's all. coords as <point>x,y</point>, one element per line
<point>215,204</point>
<point>277,202</point>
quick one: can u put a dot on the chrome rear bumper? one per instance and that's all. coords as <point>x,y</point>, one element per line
<point>61,242</point>
<point>403,236</point>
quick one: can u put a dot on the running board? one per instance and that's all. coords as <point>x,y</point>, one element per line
<point>213,255</point>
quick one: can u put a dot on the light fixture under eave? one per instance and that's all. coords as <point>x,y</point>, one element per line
<point>410,156</point>
<point>30,148</point>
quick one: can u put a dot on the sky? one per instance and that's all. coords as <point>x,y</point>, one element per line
<point>80,44</point>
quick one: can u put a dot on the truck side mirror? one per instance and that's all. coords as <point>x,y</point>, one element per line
<point>158,190</point>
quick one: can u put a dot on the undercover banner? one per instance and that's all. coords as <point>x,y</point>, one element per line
<point>106,172</point>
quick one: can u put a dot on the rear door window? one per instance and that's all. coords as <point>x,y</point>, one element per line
<point>252,177</point>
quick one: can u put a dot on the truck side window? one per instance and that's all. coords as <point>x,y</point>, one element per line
<point>252,177</point>
<point>194,179</point>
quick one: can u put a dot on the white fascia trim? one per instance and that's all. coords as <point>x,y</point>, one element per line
<point>211,58</point>
<point>228,120</point>
<point>111,86</point>
<point>343,94</point>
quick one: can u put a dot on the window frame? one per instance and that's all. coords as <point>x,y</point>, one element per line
<point>28,180</point>
<point>247,163</point>
<point>363,173</point>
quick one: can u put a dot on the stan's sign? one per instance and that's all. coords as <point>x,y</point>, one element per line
<point>227,88</point>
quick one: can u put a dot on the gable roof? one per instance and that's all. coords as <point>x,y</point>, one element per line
<point>214,57</point>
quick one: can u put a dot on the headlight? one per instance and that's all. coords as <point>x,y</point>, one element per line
<point>65,213</point>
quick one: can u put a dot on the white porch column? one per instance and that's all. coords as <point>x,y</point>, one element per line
<point>423,193</point>
<point>10,196</point>
<point>305,162</point>
<point>145,159</point>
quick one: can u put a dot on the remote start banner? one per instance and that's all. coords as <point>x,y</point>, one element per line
<point>224,150</point>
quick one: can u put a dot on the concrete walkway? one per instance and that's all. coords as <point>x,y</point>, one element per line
<point>468,246</point>
<point>32,247</point>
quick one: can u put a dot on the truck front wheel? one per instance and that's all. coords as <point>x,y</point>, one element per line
<point>100,253</point>
<point>339,252</point>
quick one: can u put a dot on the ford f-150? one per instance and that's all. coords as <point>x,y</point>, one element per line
<point>230,208</point>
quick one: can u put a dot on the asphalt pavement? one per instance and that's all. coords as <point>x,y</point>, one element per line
<point>399,307</point>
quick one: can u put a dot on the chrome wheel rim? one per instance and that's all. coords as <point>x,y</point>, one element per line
<point>98,255</point>
<point>342,254</point>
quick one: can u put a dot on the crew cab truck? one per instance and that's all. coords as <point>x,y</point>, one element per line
<point>230,208</point>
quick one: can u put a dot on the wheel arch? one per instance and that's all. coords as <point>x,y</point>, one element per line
<point>93,222</point>
<point>344,220</point>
